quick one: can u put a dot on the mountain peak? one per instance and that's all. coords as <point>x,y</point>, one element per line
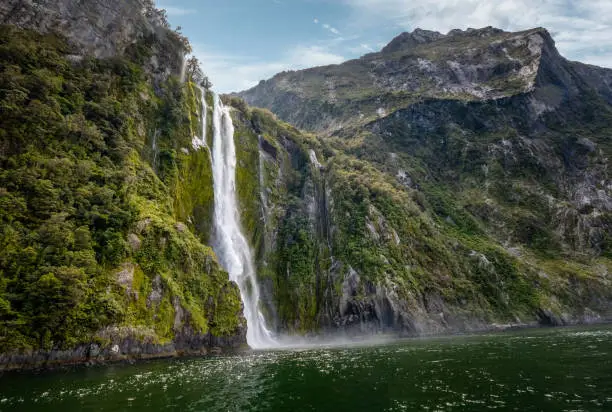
<point>418,36</point>
<point>467,65</point>
<point>411,39</point>
<point>482,32</point>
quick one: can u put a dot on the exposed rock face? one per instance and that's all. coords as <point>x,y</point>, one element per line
<point>125,344</point>
<point>101,28</point>
<point>473,65</point>
<point>407,40</point>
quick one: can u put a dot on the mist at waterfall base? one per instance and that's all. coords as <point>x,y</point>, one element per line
<point>562,369</point>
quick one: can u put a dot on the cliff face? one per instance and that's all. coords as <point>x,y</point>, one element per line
<point>461,181</point>
<point>102,29</point>
<point>370,233</point>
<point>105,205</point>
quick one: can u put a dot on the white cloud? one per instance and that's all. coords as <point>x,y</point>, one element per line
<point>177,11</point>
<point>311,56</point>
<point>316,21</point>
<point>360,49</point>
<point>581,28</point>
<point>331,29</point>
<point>231,73</point>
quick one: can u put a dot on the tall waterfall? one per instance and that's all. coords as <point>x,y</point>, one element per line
<point>230,244</point>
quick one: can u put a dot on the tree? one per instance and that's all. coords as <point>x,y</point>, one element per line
<point>196,74</point>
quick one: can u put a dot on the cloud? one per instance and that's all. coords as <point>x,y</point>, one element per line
<point>311,56</point>
<point>177,11</point>
<point>230,73</point>
<point>582,28</point>
<point>331,29</point>
<point>316,21</point>
<point>360,49</point>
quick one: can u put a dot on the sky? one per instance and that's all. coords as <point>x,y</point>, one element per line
<point>240,42</point>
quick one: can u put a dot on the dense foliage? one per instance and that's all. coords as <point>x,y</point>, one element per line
<point>424,229</point>
<point>88,229</point>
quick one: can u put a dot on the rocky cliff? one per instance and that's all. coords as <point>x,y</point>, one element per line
<point>105,204</point>
<point>103,29</point>
<point>459,181</point>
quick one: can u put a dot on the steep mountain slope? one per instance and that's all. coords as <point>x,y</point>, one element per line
<point>462,180</point>
<point>473,65</point>
<point>105,207</point>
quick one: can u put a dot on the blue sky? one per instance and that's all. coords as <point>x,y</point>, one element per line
<point>240,42</point>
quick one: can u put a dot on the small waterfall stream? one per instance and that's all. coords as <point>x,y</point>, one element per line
<point>230,243</point>
<point>183,69</point>
<point>199,142</point>
<point>154,148</point>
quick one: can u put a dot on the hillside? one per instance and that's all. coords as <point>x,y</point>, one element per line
<point>464,181</point>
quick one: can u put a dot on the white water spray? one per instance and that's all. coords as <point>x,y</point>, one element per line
<point>230,244</point>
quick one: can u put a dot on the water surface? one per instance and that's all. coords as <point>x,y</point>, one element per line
<point>533,370</point>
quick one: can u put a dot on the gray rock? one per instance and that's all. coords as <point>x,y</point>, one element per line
<point>101,28</point>
<point>134,242</point>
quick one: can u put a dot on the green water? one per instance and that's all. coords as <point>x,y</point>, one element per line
<point>534,370</point>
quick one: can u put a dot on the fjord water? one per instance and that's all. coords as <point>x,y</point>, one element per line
<point>532,370</point>
<point>229,242</point>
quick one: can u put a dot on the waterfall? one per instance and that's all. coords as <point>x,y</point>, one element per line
<point>199,142</point>
<point>183,69</point>
<point>230,244</point>
<point>154,148</point>
<point>262,184</point>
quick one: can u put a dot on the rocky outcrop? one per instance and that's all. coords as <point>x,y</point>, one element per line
<point>118,344</point>
<point>101,28</point>
<point>408,40</point>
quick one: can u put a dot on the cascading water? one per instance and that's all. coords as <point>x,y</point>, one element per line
<point>230,244</point>
<point>154,148</point>
<point>199,142</point>
<point>183,69</point>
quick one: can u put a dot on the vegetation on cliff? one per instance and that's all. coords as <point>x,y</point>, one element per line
<point>101,218</point>
<point>461,180</point>
<point>355,232</point>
